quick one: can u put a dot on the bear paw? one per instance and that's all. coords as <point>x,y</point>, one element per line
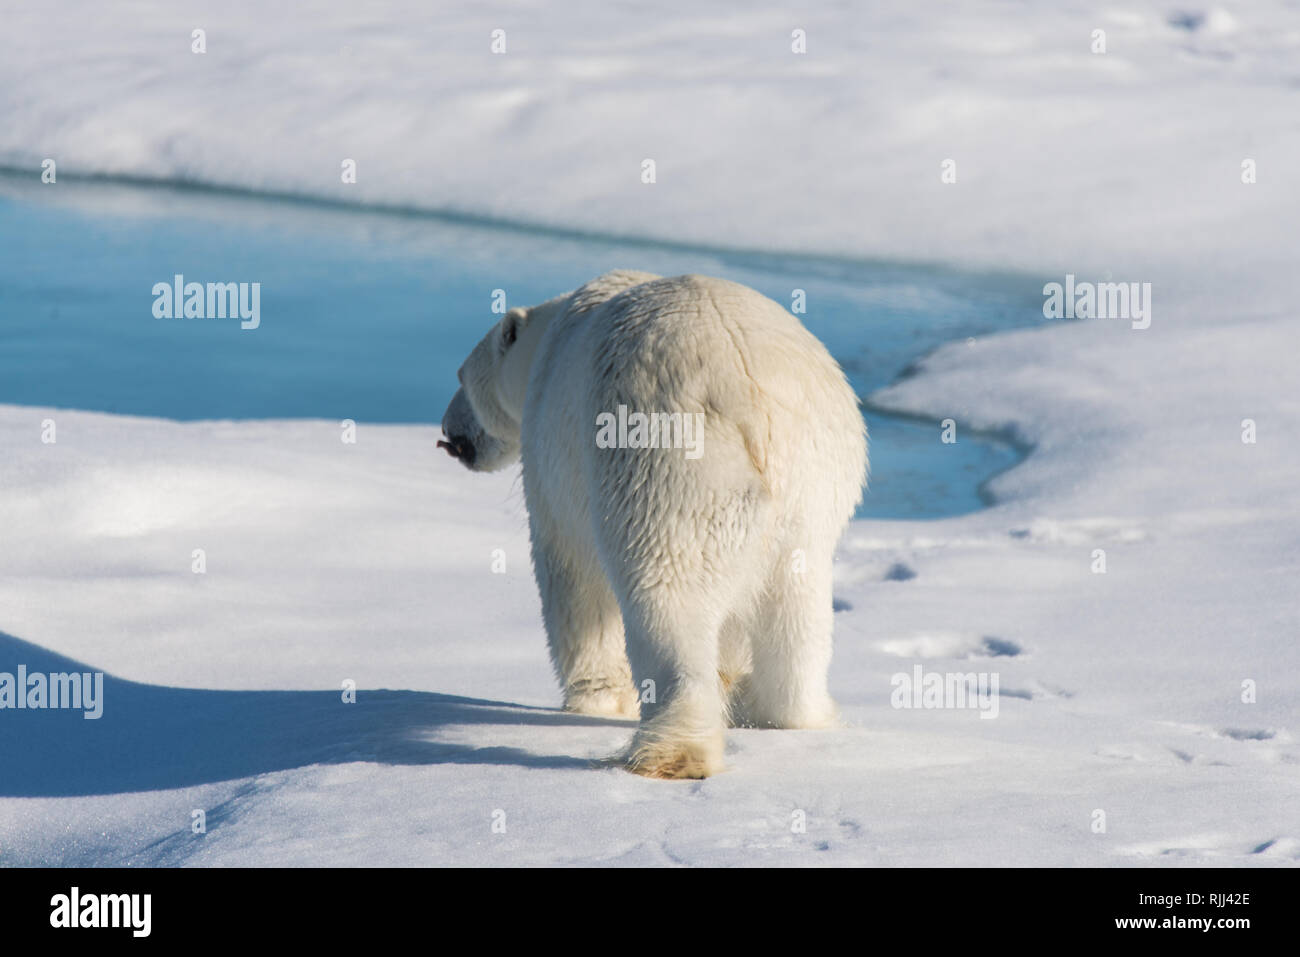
<point>603,700</point>
<point>676,760</point>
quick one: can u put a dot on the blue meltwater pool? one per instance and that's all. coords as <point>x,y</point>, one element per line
<point>366,314</point>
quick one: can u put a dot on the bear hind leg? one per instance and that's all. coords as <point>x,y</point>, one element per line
<point>791,648</point>
<point>683,712</point>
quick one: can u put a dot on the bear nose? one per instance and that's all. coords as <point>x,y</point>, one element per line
<point>458,447</point>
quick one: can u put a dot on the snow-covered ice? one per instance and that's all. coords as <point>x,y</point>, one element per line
<point>1064,157</point>
<point>1120,692</point>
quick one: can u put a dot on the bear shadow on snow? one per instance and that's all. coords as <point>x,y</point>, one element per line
<point>152,737</point>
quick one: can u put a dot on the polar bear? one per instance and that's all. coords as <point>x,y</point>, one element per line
<point>685,569</point>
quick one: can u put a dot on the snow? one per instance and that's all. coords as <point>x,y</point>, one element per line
<point>1064,157</point>
<point>1120,692</point>
<point>328,561</point>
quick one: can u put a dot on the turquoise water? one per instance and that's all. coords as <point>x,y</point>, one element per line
<point>366,314</point>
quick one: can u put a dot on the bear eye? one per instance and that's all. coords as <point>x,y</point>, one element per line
<point>508,335</point>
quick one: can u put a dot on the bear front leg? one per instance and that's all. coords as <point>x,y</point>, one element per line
<point>584,631</point>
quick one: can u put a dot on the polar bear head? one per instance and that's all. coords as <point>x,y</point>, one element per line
<point>482,423</point>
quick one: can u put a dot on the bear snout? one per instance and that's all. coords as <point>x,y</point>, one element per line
<point>459,447</point>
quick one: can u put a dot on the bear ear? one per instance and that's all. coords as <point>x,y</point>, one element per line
<point>510,327</point>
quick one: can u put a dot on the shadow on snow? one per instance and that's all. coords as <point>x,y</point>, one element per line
<point>153,737</point>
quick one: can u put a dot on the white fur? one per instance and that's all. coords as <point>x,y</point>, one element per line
<point>709,577</point>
